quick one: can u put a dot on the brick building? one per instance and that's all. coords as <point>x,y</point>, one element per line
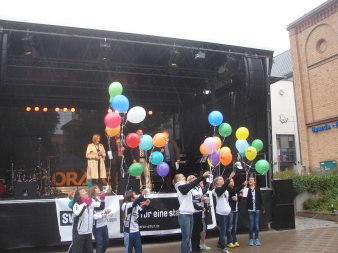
<point>314,50</point>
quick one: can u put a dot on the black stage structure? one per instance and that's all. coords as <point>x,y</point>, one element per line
<point>47,65</point>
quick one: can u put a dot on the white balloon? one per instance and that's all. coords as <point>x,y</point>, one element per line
<point>136,114</point>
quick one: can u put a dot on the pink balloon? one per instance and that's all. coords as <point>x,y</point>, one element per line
<point>133,140</point>
<point>112,120</point>
<point>210,145</point>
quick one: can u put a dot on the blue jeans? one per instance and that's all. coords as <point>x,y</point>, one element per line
<point>222,223</point>
<point>102,239</point>
<point>232,227</point>
<point>186,222</point>
<point>254,223</point>
<point>126,242</point>
<point>135,242</point>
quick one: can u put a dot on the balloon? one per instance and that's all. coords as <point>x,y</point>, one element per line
<point>111,132</point>
<point>242,154</point>
<point>242,133</point>
<point>215,118</point>
<point>136,114</point>
<point>156,157</point>
<point>112,120</point>
<point>162,169</point>
<point>210,145</point>
<point>133,140</point>
<point>214,158</point>
<point>241,145</point>
<point>250,153</point>
<point>224,130</point>
<point>114,89</point>
<point>224,149</point>
<point>210,164</point>
<point>262,166</point>
<point>202,150</point>
<point>120,103</point>
<point>258,144</point>
<point>135,169</point>
<point>110,100</point>
<point>225,158</point>
<point>146,142</point>
<point>159,140</point>
<point>218,141</point>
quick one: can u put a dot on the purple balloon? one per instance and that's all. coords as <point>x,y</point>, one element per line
<point>214,158</point>
<point>162,169</point>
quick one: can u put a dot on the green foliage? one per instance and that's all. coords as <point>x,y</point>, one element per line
<point>319,183</point>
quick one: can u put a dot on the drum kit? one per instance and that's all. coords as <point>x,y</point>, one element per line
<point>39,174</point>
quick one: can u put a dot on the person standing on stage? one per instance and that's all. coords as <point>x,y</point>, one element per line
<point>117,149</point>
<point>95,155</point>
<point>172,158</point>
<point>138,155</point>
<point>186,209</point>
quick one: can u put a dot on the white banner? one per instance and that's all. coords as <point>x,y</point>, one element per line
<point>65,218</point>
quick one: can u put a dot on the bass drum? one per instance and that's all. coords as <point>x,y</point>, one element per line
<point>37,184</point>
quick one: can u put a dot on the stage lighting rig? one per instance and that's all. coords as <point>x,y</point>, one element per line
<point>200,55</point>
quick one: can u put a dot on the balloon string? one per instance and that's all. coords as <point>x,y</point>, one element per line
<point>152,150</point>
<point>161,185</point>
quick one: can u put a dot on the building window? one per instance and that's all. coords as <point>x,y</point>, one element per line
<point>286,148</point>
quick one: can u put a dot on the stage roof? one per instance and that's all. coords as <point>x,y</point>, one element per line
<point>52,66</point>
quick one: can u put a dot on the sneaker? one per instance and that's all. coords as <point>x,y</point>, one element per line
<point>257,242</point>
<point>225,250</point>
<point>204,246</point>
<point>251,242</point>
<point>231,245</point>
<point>236,244</point>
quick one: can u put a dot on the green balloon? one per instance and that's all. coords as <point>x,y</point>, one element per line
<point>262,166</point>
<point>258,144</point>
<point>114,89</point>
<point>224,129</point>
<point>110,100</point>
<point>136,169</point>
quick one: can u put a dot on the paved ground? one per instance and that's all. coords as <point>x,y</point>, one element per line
<point>310,236</point>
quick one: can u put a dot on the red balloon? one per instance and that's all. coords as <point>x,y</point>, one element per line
<point>112,120</point>
<point>133,140</point>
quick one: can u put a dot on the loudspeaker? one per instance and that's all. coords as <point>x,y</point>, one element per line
<point>128,185</point>
<point>283,217</point>
<point>255,78</point>
<point>282,191</point>
<point>25,190</point>
<point>3,57</point>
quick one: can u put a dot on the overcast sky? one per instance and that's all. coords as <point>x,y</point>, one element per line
<point>256,23</point>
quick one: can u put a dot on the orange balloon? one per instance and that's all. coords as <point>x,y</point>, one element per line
<point>203,152</point>
<point>111,132</point>
<point>159,140</point>
<point>219,142</point>
<point>225,158</point>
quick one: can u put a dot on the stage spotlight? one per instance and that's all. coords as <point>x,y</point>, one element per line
<point>45,109</point>
<point>174,55</point>
<point>110,110</point>
<point>105,48</point>
<point>57,109</point>
<point>28,109</point>
<point>200,55</point>
<point>206,92</point>
<point>65,109</point>
<point>72,109</point>
<point>150,112</point>
<point>36,108</point>
<point>230,64</point>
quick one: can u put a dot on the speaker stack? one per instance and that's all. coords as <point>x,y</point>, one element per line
<point>25,190</point>
<point>283,206</point>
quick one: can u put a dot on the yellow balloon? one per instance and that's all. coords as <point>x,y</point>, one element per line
<point>224,149</point>
<point>203,152</point>
<point>159,140</point>
<point>242,133</point>
<point>111,132</point>
<point>251,153</point>
<point>219,142</point>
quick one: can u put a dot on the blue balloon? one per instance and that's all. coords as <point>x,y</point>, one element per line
<point>242,154</point>
<point>156,158</point>
<point>241,145</point>
<point>215,118</point>
<point>146,142</point>
<point>120,103</point>
<point>162,169</point>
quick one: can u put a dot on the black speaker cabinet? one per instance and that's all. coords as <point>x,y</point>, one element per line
<point>283,217</point>
<point>25,190</point>
<point>128,185</point>
<point>282,191</point>
<point>255,79</point>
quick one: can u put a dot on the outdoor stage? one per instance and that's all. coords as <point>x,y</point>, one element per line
<point>47,222</point>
